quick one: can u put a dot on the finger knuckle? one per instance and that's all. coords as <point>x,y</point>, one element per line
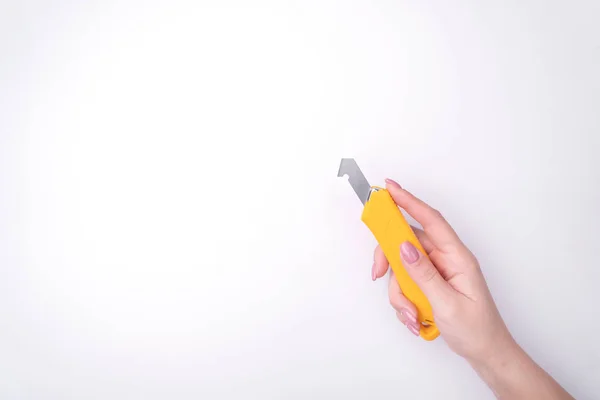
<point>394,302</point>
<point>475,261</point>
<point>437,214</point>
<point>470,261</point>
<point>428,274</point>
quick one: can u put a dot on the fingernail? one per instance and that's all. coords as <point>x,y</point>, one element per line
<point>392,182</point>
<point>409,253</point>
<point>409,315</point>
<point>373,274</point>
<point>414,330</point>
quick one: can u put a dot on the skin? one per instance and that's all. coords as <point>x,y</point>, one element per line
<point>464,309</point>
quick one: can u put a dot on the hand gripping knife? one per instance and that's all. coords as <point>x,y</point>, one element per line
<point>388,225</point>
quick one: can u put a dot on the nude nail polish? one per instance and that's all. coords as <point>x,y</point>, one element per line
<point>413,329</point>
<point>373,273</point>
<point>409,253</point>
<point>409,315</point>
<point>392,182</point>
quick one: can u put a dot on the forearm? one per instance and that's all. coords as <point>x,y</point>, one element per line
<point>512,374</point>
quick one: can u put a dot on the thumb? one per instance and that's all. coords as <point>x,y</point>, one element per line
<point>425,274</point>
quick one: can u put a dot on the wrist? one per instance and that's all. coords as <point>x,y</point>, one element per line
<point>502,351</point>
<point>512,374</point>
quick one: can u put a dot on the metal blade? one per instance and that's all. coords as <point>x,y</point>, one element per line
<point>356,178</point>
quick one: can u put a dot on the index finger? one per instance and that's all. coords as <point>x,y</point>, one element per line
<point>438,230</point>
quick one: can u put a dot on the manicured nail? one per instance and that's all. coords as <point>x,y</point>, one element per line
<point>373,274</point>
<point>414,330</point>
<point>392,182</point>
<point>409,315</point>
<point>409,253</point>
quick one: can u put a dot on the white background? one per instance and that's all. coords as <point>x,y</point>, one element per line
<point>171,224</point>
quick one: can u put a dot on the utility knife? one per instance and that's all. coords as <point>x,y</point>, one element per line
<point>385,220</point>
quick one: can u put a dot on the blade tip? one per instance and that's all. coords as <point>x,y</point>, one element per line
<point>343,163</point>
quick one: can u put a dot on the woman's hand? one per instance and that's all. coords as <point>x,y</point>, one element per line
<point>463,308</point>
<point>451,279</point>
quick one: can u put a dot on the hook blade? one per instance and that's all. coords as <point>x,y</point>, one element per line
<point>359,183</point>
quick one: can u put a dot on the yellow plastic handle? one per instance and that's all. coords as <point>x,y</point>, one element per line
<point>384,219</point>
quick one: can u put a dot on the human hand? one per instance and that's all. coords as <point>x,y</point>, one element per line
<point>463,308</point>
